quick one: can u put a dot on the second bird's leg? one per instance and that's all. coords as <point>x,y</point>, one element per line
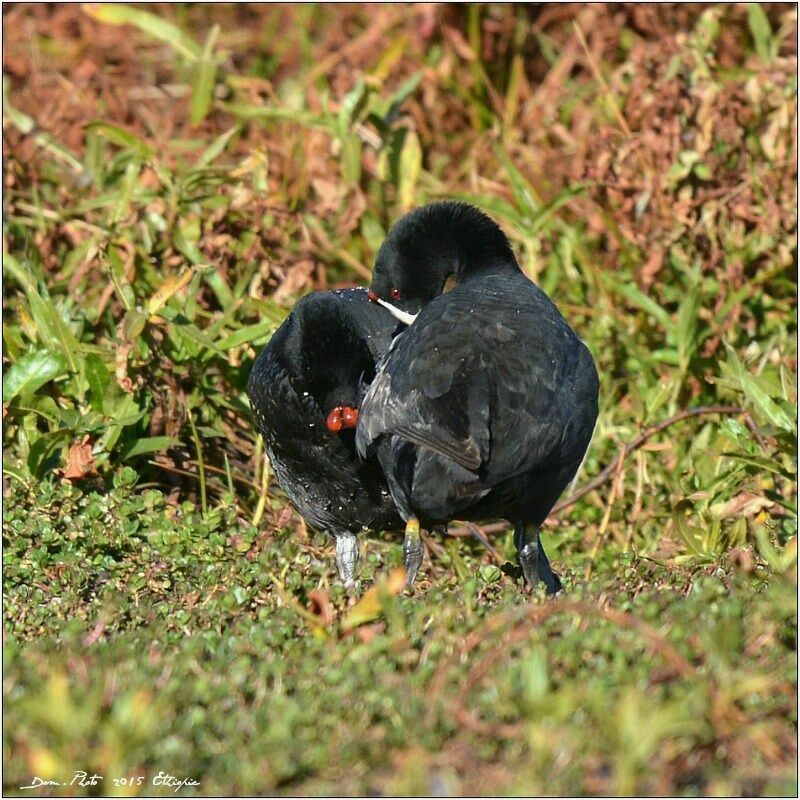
<point>346,557</point>
<point>533,559</point>
<point>413,551</point>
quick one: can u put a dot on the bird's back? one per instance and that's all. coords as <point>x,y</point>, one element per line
<point>494,376</point>
<point>326,346</point>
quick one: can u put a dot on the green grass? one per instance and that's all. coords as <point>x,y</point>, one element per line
<point>164,609</point>
<point>143,638</point>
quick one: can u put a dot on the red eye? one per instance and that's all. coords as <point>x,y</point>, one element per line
<point>395,294</point>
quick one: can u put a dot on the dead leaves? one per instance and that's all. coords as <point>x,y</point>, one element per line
<point>80,460</point>
<point>330,195</point>
<point>697,133</point>
<point>320,616</point>
<point>744,504</point>
<point>121,361</point>
<point>171,286</point>
<point>337,201</point>
<point>294,280</point>
<point>371,605</point>
<point>169,411</point>
<point>321,607</point>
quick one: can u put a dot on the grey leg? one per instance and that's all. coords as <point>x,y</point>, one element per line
<point>533,559</point>
<point>346,557</point>
<point>413,551</point>
<point>551,581</point>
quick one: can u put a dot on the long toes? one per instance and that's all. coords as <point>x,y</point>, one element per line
<point>411,577</point>
<point>554,586</point>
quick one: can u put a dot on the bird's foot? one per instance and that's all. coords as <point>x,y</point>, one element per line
<point>514,571</point>
<point>551,581</point>
<point>529,561</point>
<point>413,551</point>
<point>533,559</point>
<point>347,558</point>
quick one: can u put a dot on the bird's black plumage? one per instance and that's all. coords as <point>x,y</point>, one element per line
<point>485,406</point>
<point>320,358</point>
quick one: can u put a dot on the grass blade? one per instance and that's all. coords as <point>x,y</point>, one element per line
<point>161,29</point>
<point>203,86</point>
<point>761,31</point>
<point>757,396</point>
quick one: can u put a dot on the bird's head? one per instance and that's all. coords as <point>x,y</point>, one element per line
<point>424,248</point>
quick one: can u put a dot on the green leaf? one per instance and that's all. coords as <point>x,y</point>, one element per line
<point>186,247</point>
<point>221,289</point>
<point>31,372</point>
<point>129,183</point>
<point>14,472</point>
<point>350,105</point>
<point>666,355</point>
<point>240,595</point>
<point>757,396</point>
<point>270,310</point>
<point>767,464</point>
<point>638,298</point>
<point>27,126</point>
<point>98,377</point>
<point>204,81</point>
<point>119,279</point>
<point>43,448</point>
<point>522,190</point>
<point>20,274</point>
<point>761,30</point>
<point>299,116</point>
<point>410,168</point>
<point>695,539</point>
<point>216,147</point>
<point>351,158</point>
<point>244,335</point>
<point>657,397</point>
<point>44,406</point>
<point>194,334</point>
<point>686,328</point>
<point>151,444</point>
<point>51,328</point>
<point>21,121</point>
<point>405,90</point>
<point>133,324</point>
<point>393,53</point>
<point>158,28</point>
<point>548,210</point>
<point>121,137</point>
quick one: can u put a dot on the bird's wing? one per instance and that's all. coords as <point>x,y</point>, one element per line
<point>451,391</point>
<point>436,396</point>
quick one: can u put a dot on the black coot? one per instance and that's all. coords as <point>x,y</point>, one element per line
<point>304,391</point>
<point>485,406</point>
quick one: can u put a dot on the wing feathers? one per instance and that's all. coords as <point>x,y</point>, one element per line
<point>464,452</point>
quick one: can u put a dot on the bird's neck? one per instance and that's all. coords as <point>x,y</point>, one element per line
<point>478,269</point>
<point>463,266</point>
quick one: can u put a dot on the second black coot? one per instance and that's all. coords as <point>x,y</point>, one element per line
<point>485,406</point>
<point>305,388</point>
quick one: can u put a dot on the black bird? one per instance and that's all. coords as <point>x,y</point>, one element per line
<point>484,407</point>
<point>304,389</point>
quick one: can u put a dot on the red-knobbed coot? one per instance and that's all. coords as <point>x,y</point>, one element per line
<point>484,407</point>
<point>304,391</point>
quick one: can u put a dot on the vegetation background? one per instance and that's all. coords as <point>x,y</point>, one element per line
<point>175,177</point>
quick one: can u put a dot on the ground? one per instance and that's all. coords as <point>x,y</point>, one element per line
<point>176,177</point>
